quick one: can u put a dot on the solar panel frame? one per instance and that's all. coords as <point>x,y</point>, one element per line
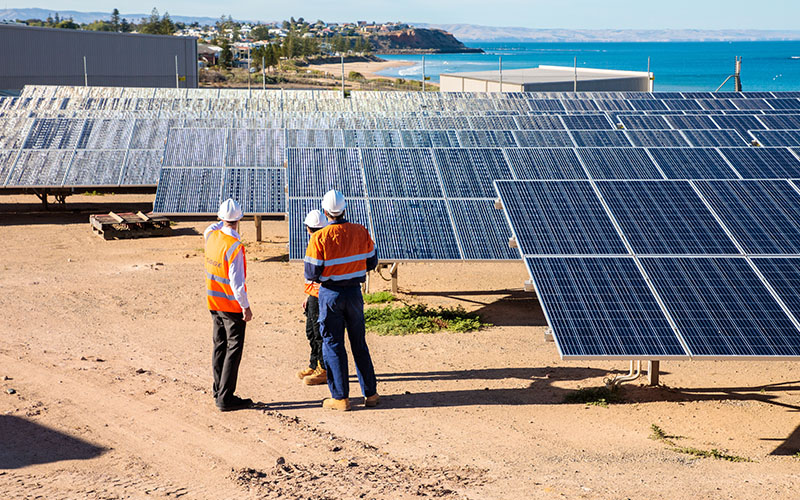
<point>40,168</point>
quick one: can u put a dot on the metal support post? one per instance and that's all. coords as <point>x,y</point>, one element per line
<point>652,372</point>
<point>737,82</point>
<point>85,73</point>
<point>263,75</point>
<point>257,220</point>
<point>248,72</point>
<point>343,96</point>
<point>500,70</point>
<point>177,80</point>
<point>423,73</point>
<point>393,274</point>
<point>575,86</point>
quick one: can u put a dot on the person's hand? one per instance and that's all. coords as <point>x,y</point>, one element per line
<point>305,303</point>
<point>248,314</point>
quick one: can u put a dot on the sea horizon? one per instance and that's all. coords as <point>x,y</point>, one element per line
<point>677,66</point>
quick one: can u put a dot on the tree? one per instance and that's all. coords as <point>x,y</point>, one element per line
<point>68,24</point>
<point>226,57</point>
<point>100,26</point>
<point>115,19</point>
<point>125,26</point>
<point>166,26</point>
<point>260,32</point>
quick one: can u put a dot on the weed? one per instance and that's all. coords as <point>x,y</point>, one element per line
<point>93,193</point>
<point>378,297</point>
<point>797,455</point>
<point>597,396</point>
<point>658,434</point>
<point>407,319</point>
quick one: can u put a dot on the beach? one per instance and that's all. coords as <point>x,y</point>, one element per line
<point>105,353</point>
<point>368,69</point>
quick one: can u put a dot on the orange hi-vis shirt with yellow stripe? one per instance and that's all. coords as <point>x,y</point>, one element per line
<point>221,249</point>
<point>338,254</point>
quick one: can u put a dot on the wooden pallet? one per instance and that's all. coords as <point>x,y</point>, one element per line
<point>129,225</point>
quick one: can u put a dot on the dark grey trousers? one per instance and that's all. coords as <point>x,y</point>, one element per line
<point>228,346</point>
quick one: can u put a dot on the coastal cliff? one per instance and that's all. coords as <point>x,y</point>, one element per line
<point>418,41</point>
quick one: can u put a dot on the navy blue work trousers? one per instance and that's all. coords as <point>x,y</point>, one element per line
<point>340,309</point>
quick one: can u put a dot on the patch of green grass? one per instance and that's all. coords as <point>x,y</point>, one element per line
<point>658,434</point>
<point>797,455</point>
<point>597,396</point>
<point>93,193</point>
<point>378,297</point>
<point>406,320</point>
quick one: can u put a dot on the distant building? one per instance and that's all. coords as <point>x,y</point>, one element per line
<point>547,79</point>
<point>49,56</point>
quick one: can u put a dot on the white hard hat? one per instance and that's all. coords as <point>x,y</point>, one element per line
<point>333,202</point>
<point>230,211</point>
<point>315,219</point>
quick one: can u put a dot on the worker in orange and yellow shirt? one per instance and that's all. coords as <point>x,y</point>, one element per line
<point>338,257</point>
<point>226,295</point>
<point>315,373</point>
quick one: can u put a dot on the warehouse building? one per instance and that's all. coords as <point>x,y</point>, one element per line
<point>49,56</point>
<point>547,79</point>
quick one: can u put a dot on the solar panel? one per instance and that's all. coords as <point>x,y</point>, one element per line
<point>151,133</point>
<point>372,138</point>
<point>763,163</point>
<point>665,218</point>
<point>543,138</point>
<point>682,105</point>
<point>559,218</point>
<point>648,105</point>
<point>7,160</point>
<point>783,275</point>
<point>586,122</point>
<point>782,103</point>
<point>54,133</point>
<point>748,104</point>
<point>643,122</point>
<point>722,308</point>
<point>739,123</point>
<point>356,211</point>
<point>619,163</point>
<point>315,171</point>
<point>545,163</point>
<point>258,190</point>
<point>482,230</point>
<point>400,173</point>
<point>600,138</point>
<point>188,147</point>
<point>714,138</point>
<point>614,105</point>
<point>36,168</point>
<point>691,122</point>
<point>95,168</point>
<point>429,138</point>
<point>539,122</point>
<point>656,138</point>
<point>602,307</point>
<point>413,230</point>
<point>545,105</point>
<point>486,138</point>
<point>781,122</point>
<point>777,137</point>
<point>694,163</point>
<point>492,122</point>
<point>579,105</point>
<point>715,104</point>
<point>311,138</point>
<point>106,134</point>
<point>189,191</point>
<point>142,167</point>
<point>468,173</point>
<point>763,216</point>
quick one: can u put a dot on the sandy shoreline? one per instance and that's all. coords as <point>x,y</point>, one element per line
<point>368,69</point>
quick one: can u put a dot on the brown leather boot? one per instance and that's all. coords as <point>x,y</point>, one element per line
<point>372,400</point>
<point>336,404</point>
<point>305,372</point>
<point>317,377</point>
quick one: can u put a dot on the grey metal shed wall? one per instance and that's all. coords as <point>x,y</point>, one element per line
<point>47,56</point>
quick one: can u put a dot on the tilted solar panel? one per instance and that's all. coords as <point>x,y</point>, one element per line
<point>763,216</point>
<point>142,167</point>
<point>777,138</point>
<point>539,122</point>
<point>683,122</point>
<point>619,163</point>
<point>315,171</point>
<point>195,147</point>
<point>643,122</point>
<point>694,163</point>
<point>413,230</point>
<point>715,138</point>
<point>781,122</point>
<point>95,168</point>
<point>586,122</point>
<point>486,139</point>
<point>763,163</point>
<point>468,173</point>
<point>656,138</point>
<point>482,230</point>
<point>298,208</point>
<point>545,163</point>
<point>722,308</point>
<point>543,138</point>
<point>7,160</point>
<point>602,307</point>
<point>665,218</point>
<point>783,275</point>
<point>400,173</point>
<point>559,218</point>
<point>37,168</point>
<point>600,138</point>
<point>189,191</point>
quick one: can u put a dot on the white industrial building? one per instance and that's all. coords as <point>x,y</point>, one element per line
<point>547,79</point>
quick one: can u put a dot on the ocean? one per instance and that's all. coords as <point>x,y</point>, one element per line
<point>677,66</point>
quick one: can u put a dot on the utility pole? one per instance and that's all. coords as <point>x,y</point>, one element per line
<point>177,81</point>
<point>343,96</point>
<point>423,73</point>
<point>737,78</point>
<point>263,74</point>
<point>501,73</point>
<point>85,74</point>
<point>649,76</point>
<point>248,71</point>
<point>575,86</point>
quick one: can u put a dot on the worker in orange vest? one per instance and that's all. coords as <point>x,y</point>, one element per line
<point>338,257</point>
<point>315,373</point>
<point>226,294</point>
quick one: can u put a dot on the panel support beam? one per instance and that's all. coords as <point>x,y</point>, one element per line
<point>257,220</point>
<point>652,372</point>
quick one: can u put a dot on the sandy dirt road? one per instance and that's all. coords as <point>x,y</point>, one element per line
<point>107,347</point>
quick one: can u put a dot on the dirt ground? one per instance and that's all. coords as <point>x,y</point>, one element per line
<point>106,345</point>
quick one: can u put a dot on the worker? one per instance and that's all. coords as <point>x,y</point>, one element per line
<point>338,257</point>
<point>315,373</point>
<point>226,294</point>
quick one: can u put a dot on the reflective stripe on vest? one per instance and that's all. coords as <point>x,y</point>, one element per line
<point>221,249</point>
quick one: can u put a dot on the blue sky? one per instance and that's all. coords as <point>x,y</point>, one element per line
<point>570,14</point>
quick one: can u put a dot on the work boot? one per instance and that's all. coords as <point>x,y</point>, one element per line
<point>336,404</point>
<point>371,401</point>
<point>318,377</point>
<point>305,372</point>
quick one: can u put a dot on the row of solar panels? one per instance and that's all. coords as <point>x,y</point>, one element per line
<point>658,269</point>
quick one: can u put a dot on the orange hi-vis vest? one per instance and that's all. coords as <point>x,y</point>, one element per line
<point>221,249</point>
<point>311,288</point>
<point>342,249</point>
